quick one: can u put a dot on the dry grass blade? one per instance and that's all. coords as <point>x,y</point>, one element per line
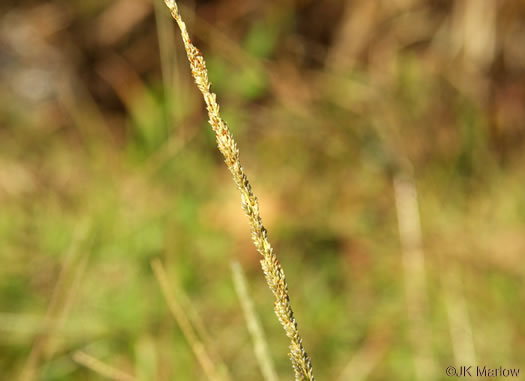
<point>100,367</point>
<point>64,293</point>
<point>184,323</point>
<point>272,268</point>
<point>459,323</point>
<point>254,326</point>
<point>363,362</point>
<point>409,226</point>
<point>200,327</point>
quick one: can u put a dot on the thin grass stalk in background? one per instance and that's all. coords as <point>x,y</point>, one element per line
<point>168,59</point>
<point>101,368</point>
<point>254,326</point>
<point>366,358</point>
<point>66,288</point>
<point>409,225</point>
<point>184,323</point>
<point>272,268</point>
<point>184,303</point>
<point>459,323</point>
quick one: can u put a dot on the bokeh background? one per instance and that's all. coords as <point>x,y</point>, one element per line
<point>384,140</point>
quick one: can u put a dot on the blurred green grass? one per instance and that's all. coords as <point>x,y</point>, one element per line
<point>115,166</point>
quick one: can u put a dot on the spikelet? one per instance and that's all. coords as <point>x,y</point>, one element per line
<point>270,264</point>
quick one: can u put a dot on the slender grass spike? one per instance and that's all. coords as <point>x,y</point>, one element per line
<point>271,266</point>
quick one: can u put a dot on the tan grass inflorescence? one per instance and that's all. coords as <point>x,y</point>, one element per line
<point>273,271</point>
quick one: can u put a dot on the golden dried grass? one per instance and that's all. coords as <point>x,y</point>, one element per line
<point>271,266</point>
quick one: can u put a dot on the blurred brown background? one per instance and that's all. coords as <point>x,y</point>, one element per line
<point>384,140</point>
